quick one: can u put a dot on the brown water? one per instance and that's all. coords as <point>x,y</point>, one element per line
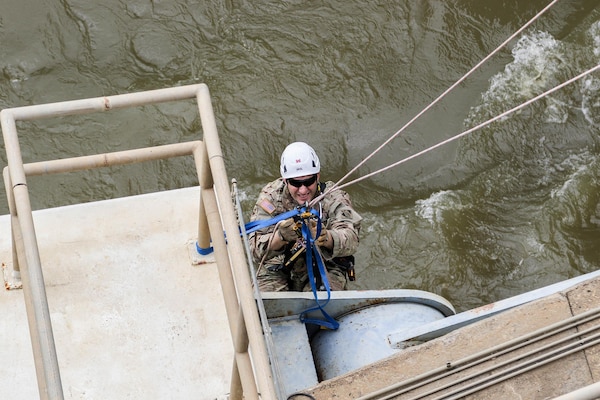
<point>510,208</point>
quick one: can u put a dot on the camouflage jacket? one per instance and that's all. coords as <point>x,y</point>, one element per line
<point>338,217</point>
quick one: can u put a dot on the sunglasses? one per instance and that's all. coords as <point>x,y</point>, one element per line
<point>304,182</point>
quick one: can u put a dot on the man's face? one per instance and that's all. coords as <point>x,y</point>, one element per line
<point>303,188</point>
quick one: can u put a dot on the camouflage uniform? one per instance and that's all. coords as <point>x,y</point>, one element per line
<point>338,217</point>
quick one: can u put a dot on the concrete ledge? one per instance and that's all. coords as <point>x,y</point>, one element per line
<point>133,317</point>
<point>562,376</point>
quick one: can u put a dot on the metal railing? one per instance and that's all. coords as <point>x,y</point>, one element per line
<point>251,377</point>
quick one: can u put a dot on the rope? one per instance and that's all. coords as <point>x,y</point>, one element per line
<point>434,102</point>
<point>483,124</point>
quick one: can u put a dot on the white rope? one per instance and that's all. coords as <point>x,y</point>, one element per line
<point>335,185</point>
<point>483,124</point>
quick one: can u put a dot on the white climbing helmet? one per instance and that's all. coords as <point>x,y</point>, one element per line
<point>299,159</point>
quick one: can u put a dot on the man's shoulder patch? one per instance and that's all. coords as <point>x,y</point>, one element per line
<point>267,206</point>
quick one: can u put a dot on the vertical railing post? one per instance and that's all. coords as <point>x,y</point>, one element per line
<point>236,259</point>
<point>16,238</point>
<point>205,181</point>
<point>235,389</point>
<point>242,366</point>
<point>34,289</point>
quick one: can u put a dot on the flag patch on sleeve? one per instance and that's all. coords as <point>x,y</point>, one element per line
<point>267,206</point>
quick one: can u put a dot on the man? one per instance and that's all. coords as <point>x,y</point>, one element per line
<point>279,250</point>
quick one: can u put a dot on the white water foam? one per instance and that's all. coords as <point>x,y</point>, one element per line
<point>432,209</point>
<point>579,164</point>
<point>537,59</point>
<point>595,34</point>
<point>590,101</point>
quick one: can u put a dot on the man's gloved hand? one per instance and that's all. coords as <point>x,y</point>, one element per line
<point>322,239</point>
<point>287,230</point>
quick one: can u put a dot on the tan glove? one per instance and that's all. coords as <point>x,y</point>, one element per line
<point>322,239</point>
<point>287,230</point>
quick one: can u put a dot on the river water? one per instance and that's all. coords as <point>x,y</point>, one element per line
<point>510,208</point>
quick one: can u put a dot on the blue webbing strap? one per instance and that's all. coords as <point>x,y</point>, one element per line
<point>262,223</point>
<point>254,226</point>
<point>311,250</point>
